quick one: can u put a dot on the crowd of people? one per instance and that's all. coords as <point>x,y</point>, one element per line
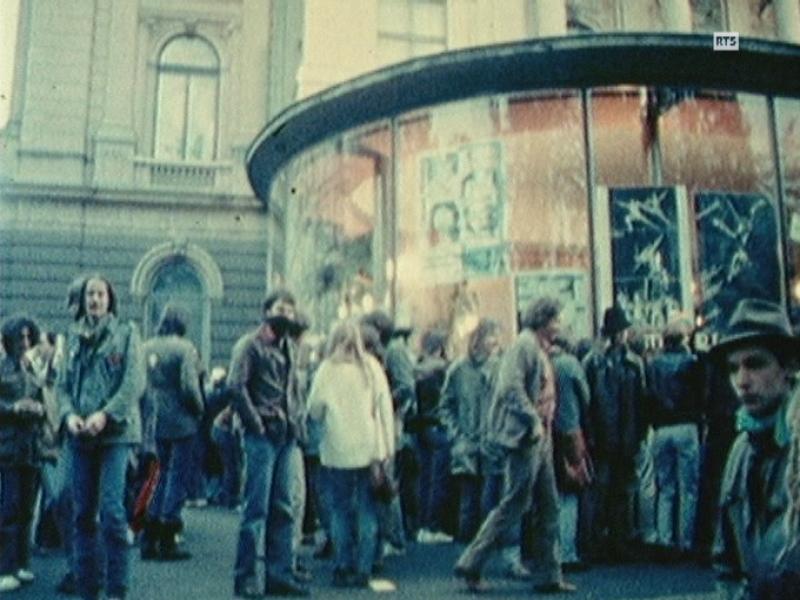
<point>556,455</point>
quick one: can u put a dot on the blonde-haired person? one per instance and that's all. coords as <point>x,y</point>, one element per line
<point>351,399</point>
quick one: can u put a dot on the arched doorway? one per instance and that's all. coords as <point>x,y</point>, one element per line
<point>183,274</point>
<point>177,282</point>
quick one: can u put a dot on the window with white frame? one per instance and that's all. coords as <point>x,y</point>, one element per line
<point>187,99</point>
<point>409,28</point>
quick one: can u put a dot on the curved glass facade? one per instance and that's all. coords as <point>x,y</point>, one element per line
<point>669,200</point>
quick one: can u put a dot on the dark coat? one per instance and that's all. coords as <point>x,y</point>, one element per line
<point>173,383</point>
<point>675,392</point>
<point>429,375</point>
<point>753,502</point>
<point>616,379</point>
<point>20,435</point>
<point>464,409</point>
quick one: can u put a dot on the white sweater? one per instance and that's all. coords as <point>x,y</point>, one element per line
<point>341,399</point>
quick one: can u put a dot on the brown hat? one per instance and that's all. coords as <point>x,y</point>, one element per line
<point>758,322</point>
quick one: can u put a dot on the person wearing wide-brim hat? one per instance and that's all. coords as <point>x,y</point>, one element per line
<point>616,380</point>
<point>761,356</point>
<point>615,322</point>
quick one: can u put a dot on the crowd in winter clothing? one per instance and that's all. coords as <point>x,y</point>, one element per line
<point>556,456</point>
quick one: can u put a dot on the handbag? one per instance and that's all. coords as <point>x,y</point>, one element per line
<point>145,497</point>
<point>381,472</point>
<point>381,480</point>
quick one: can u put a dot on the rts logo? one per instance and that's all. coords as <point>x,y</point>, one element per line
<point>726,40</point>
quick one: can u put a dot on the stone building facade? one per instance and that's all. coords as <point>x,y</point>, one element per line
<point>124,154</point>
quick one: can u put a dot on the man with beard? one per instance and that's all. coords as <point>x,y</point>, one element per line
<point>262,381</point>
<point>760,354</point>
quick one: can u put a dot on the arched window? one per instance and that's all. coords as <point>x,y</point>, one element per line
<point>187,100</point>
<point>177,282</point>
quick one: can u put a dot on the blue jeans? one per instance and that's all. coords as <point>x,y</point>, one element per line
<point>175,457</point>
<point>434,460</point>
<point>267,508</point>
<point>354,518</point>
<point>65,506</point>
<point>18,488</point>
<point>98,485</point>
<point>676,457</point>
<point>229,446</point>
<point>478,495</point>
<point>568,522</point>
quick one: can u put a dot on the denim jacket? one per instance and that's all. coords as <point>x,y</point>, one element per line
<point>105,374</point>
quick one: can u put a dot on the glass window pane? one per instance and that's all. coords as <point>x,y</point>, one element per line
<point>788,135</point>
<point>716,141</point>
<point>491,211</point>
<point>186,127</point>
<point>621,139</point>
<point>202,118</point>
<point>717,145</point>
<point>170,124</point>
<point>336,229</point>
<point>189,52</point>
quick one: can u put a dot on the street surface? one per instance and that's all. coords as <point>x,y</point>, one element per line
<point>424,573</point>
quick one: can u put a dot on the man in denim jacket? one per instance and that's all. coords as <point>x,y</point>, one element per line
<point>99,386</point>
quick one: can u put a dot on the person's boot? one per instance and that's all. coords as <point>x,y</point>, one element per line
<point>149,543</point>
<point>169,547</point>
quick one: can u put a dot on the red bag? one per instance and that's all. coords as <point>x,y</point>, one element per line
<point>145,496</point>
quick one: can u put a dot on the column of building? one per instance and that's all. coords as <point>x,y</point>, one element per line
<point>115,140</point>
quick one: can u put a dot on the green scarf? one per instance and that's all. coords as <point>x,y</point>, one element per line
<point>775,421</point>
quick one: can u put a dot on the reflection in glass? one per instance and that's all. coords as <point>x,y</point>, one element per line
<point>621,136</point>
<point>788,136</point>
<point>489,191</point>
<point>334,258</point>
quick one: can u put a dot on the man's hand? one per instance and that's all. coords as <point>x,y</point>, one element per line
<point>75,425</point>
<point>96,423</point>
<point>29,407</point>
<point>580,473</point>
